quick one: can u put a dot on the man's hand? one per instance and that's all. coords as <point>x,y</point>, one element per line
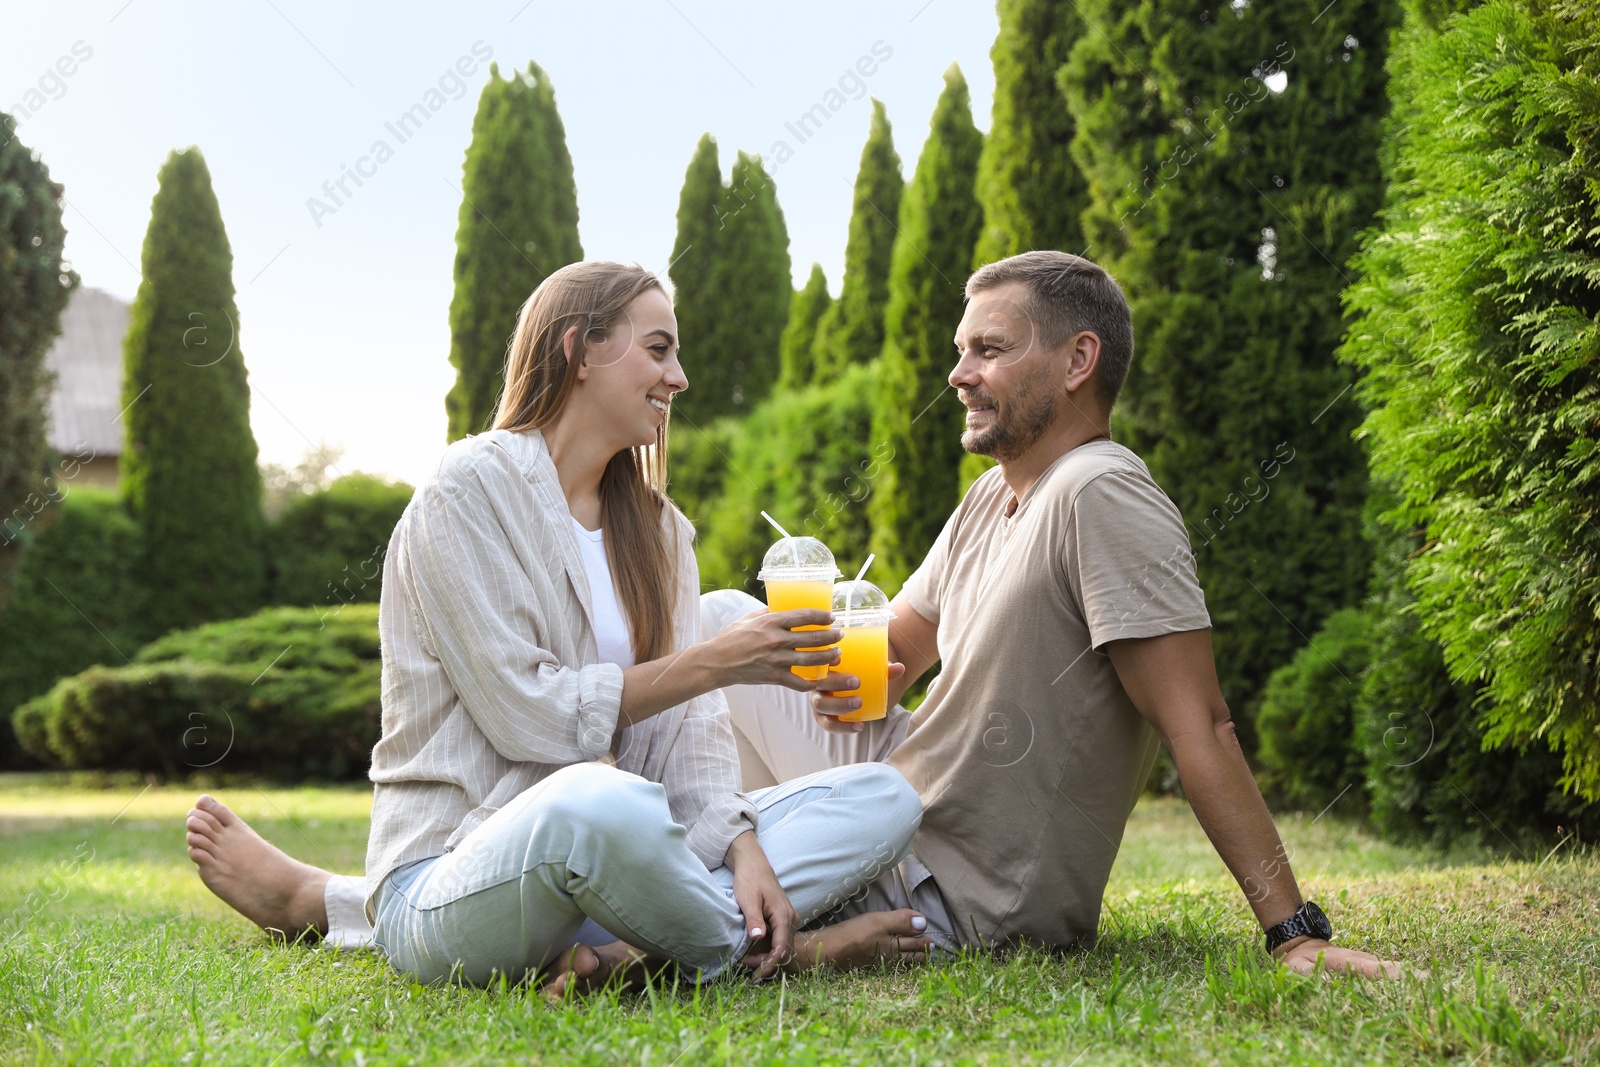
<point>1301,955</point>
<point>769,918</point>
<point>1172,680</point>
<point>824,705</point>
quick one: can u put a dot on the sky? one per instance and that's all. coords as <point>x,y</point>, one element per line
<point>344,314</point>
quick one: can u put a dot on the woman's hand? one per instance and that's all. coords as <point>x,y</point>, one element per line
<point>768,916</point>
<point>825,706</point>
<point>759,648</point>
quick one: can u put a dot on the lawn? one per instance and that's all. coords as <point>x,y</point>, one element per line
<point>111,951</point>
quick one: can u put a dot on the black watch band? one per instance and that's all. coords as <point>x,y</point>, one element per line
<point>1309,921</point>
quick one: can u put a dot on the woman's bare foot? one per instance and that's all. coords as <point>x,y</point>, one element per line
<point>255,878</point>
<point>892,936</point>
<point>583,969</point>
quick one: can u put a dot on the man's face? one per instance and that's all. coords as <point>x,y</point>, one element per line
<point>1004,376</point>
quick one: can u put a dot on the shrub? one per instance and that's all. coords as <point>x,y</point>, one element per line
<point>1421,734</point>
<point>328,547</point>
<point>1478,339</point>
<point>288,693</point>
<point>76,601</point>
<point>1371,702</point>
<point>1306,722</point>
<point>697,461</point>
<point>804,457</point>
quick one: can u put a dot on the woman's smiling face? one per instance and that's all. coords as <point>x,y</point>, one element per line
<point>630,373</point>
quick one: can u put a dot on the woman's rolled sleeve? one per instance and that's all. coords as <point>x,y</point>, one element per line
<point>479,609</point>
<point>701,778</point>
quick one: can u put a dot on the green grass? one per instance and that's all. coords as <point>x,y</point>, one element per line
<point>111,951</point>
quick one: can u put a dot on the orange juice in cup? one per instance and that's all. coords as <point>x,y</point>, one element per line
<point>799,573</point>
<point>861,613</point>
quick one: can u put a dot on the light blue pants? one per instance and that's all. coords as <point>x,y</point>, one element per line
<point>591,854</point>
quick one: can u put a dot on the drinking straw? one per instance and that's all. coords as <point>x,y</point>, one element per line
<point>859,575</point>
<point>794,551</point>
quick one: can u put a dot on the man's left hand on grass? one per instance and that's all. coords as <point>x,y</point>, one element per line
<point>1302,957</point>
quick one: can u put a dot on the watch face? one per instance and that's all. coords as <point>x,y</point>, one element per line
<point>1317,924</point>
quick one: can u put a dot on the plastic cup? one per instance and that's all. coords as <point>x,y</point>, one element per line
<point>799,573</point>
<point>861,614</point>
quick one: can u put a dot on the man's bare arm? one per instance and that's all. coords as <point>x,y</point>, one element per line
<point>914,641</point>
<point>1172,680</point>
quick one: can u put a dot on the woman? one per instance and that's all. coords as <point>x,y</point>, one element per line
<point>556,781</point>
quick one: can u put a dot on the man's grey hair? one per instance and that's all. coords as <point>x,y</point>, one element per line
<point>1068,294</point>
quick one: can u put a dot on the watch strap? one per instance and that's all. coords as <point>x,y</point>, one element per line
<point>1308,921</point>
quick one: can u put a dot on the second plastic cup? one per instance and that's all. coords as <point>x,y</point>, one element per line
<point>799,573</point>
<point>861,613</point>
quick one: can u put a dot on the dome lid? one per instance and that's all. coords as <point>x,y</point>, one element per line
<point>798,559</point>
<point>860,603</point>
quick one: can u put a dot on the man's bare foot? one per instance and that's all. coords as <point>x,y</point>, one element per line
<point>252,876</point>
<point>892,936</point>
<point>583,969</point>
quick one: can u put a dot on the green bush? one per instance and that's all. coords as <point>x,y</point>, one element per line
<point>697,461</point>
<point>287,693</point>
<point>328,547</point>
<point>1371,702</point>
<point>1306,721</point>
<point>805,458</point>
<point>76,601</point>
<point>1478,339</point>
<point>1421,736</point>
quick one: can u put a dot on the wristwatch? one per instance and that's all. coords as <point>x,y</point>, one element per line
<point>1309,921</point>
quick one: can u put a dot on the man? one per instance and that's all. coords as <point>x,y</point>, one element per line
<point>1061,598</point>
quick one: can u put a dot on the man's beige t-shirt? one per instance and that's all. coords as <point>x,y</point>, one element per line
<point>1027,752</point>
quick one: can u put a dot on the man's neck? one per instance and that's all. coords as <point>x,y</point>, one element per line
<point>1021,473</point>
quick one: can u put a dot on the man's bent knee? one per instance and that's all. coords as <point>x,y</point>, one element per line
<point>885,792</point>
<point>894,795</point>
<point>720,607</point>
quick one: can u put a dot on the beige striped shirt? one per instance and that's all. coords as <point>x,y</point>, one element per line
<point>491,672</point>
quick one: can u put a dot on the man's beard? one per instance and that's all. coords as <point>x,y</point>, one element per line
<point>1028,415</point>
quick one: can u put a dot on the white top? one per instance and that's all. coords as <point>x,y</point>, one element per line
<point>610,621</point>
<point>493,679</point>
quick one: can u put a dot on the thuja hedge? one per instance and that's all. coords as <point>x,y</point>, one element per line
<point>1368,721</point>
<point>807,458</point>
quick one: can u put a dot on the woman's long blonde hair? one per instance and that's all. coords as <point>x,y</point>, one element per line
<point>594,297</point>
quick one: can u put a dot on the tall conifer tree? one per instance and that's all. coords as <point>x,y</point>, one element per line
<point>694,287</point>
<point>810,305</point>
<point>1233,159</point>
<point>518,223</point>
<point>751,276</point>
<point>917,423</point>
<point>852,331</point>
<point>34,286</point>
<point>1031,190</point>
<point>189,472</point>
<point>1479,339</point>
